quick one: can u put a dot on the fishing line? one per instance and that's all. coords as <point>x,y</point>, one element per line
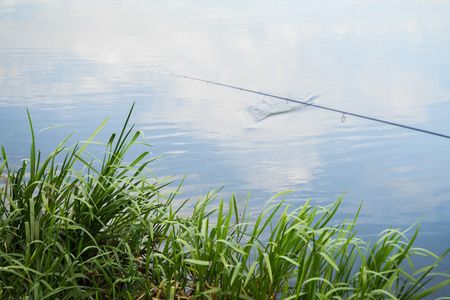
<point>344,113</point>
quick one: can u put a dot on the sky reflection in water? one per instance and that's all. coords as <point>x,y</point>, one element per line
<point>77,62</point>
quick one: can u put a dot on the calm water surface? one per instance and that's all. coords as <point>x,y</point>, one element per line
<point>76,62</point>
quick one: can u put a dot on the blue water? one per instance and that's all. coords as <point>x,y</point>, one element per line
<point>75,63</point>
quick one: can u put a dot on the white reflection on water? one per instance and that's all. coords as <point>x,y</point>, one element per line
<point>378,58</point>
<point>352,51</point>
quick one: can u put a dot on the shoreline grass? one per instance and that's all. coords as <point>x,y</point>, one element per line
<point>112,232</point>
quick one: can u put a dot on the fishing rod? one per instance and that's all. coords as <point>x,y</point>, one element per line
<point>344,113</point>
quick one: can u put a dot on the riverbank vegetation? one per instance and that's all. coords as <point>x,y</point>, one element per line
<point>74,226</point>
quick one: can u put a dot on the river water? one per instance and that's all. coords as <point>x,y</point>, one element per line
<point>75,63</point>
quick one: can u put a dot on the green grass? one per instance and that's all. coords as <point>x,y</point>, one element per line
<point>72,230</point>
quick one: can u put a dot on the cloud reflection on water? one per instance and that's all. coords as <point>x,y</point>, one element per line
<point>303,49</point>
<point>377,58</point>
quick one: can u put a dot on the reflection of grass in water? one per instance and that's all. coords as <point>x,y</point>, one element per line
<point>272,107</point>
<point>112,233</point>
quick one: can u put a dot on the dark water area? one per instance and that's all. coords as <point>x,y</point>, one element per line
<point>75,63</point>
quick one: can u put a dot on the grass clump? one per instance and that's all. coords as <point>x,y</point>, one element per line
<point>112,232</point>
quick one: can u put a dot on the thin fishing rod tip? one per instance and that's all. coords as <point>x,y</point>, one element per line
<point>344,113</point>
